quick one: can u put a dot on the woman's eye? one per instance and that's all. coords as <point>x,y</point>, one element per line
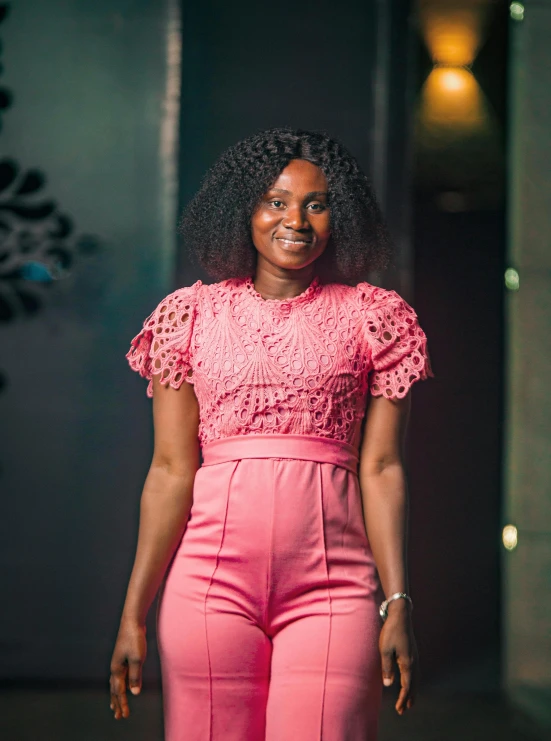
<point>276,204</point>
<point>316,206</point>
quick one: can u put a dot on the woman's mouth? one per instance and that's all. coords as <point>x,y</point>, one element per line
<point>293,243</point>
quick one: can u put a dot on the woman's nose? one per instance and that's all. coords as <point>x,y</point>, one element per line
<point>295,218</point>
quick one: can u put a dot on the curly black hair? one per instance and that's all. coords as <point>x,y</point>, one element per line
<point>216,224</point>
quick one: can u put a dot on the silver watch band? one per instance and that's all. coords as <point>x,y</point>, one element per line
<point>383,609</point>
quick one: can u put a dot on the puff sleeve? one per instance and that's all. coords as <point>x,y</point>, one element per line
<point>163,345</point>
<point>398,345</point>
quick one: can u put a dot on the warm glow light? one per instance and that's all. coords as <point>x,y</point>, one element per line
<point>452,96</point>
<point>512,279</point>
<point>452,45</point>
<point>457,135</point>
<point>452,79</point>
<point>510,537</point>
<point>517,11</point>
<point>453,34</point>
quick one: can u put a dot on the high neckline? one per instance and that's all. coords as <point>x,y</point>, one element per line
<point>306,295</point>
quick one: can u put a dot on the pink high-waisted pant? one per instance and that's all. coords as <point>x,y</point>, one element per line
<point>268,625</point>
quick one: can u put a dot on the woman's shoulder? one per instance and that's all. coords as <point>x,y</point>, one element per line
<point>200,290</point>
<point>190,292</point>
<point>365,294</point>
<point>194,293</point>
<point>376,295</point>
<point>180,296</point>
<point>202,301</point>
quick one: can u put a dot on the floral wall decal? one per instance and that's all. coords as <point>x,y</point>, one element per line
<point>38,241</point>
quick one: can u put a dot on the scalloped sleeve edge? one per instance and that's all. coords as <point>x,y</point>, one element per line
<point>162,347</point>
<point>402,358</point>
<point>398,379</point>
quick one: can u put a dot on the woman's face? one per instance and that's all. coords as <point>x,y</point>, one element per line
<point>290,227</point>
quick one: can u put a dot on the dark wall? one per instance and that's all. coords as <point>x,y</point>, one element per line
<point>85,254</point>
<point>457,423</point>
<point>455,437</point>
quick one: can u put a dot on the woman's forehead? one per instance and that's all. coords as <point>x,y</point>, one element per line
<point>301,175</point>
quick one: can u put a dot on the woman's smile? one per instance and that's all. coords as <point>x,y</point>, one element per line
<point>294,243</point>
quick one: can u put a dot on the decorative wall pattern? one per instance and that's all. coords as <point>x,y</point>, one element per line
<point>38,243</point>
<point>83,151</point>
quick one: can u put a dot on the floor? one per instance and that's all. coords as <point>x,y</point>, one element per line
<point>84,715</point>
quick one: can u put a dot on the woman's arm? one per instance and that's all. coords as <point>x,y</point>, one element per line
<point>385,504</point>
<point>164,511</point>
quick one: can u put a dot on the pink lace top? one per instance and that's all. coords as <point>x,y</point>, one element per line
<point>302,365</point>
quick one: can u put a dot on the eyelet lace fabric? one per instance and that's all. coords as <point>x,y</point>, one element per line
<point>302,365</point>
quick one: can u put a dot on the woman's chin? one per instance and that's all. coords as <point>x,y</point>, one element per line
<point>292,259</point>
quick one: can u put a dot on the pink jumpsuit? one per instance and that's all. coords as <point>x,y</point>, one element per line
<point>268,621</point>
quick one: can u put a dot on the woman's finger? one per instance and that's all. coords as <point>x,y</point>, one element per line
<point>387,664</point>
<point>114,701</point>
<point>122,698</point>
<point>135,676</point>
<point>118,688</point>
<point>405,666</point>
<point>123,701</point>
<point>115,707</point>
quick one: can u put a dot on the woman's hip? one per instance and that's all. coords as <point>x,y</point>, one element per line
<point>283,524</point>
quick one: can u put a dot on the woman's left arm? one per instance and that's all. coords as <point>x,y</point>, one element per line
<point>385,506</point>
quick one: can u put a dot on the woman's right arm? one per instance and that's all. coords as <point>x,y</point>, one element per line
<point>164,511</point>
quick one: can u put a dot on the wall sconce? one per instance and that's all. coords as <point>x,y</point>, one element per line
<point>451,95</point>
<point>453,35</point>
<point>458,141</point>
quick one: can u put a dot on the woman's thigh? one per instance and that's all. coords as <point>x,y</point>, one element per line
<point>325,678</point>
<point>215,671</point>
<point>215,657</point>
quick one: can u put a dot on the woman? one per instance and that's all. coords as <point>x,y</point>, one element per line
<point>292,376</point>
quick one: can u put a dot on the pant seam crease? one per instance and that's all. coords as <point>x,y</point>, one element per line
<point>329,601</point>
<point>206,598</point>
<point>270,550</point>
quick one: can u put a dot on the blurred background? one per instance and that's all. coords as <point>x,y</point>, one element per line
<point>110,113</point>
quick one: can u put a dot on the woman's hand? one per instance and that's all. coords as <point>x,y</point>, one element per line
<point>126,665</point>
<point>397,643</point>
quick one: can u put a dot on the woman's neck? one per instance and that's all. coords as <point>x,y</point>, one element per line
<point>282,284</point>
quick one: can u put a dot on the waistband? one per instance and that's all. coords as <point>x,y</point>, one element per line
<point>298,447</point>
